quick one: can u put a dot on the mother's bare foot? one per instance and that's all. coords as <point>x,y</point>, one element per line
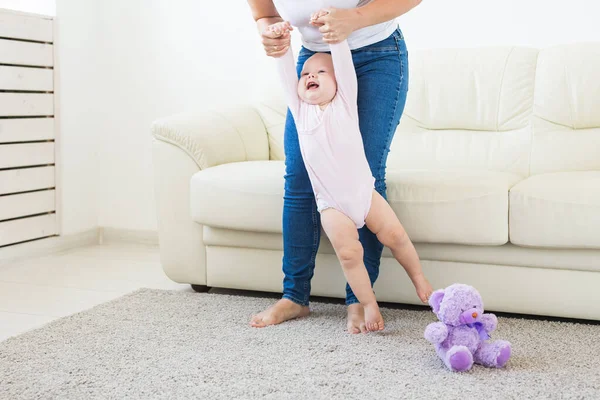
<point>356,319</point>
<point>279,312</point>
<point>424,288</point>
<point>373,318</point>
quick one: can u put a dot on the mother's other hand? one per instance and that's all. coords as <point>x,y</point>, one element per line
<point>336,24</point>
<point>275,40</point>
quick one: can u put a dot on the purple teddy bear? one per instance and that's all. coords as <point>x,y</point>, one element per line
<point>461,337</point>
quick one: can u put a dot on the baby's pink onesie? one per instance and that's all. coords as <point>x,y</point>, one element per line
<point>330,139</point>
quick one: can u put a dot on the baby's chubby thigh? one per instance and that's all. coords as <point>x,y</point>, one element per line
<point>343,235</point>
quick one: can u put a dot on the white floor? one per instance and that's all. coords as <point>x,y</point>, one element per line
<point>36,291</point>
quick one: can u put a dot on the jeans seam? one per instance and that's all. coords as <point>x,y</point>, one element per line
<point>386,49</point>
<point>313,257</point>
<point>390,128</point>
<point>400,35</point>
<point>305,285</point>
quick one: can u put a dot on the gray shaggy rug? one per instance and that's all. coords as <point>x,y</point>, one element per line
<point>179,345</point>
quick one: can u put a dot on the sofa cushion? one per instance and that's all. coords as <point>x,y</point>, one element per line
<point>480,89</point>
<point>557,210</point>
<point>454,206</point>
<point>567,84</point>
<point>465,207</point>
<point>244,195</point>
<point>566,121</point>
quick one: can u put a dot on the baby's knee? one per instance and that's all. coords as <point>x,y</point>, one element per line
<point>350,254</point>
<point>393,237</point>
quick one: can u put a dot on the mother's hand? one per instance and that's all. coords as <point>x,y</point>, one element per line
<point>336,24</point>
<point>275,42</point>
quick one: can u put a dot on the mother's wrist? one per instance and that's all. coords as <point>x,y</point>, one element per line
<point>357,20</point>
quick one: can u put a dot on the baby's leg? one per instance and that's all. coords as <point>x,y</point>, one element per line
<point>383,222</point>
<point>343,235</point>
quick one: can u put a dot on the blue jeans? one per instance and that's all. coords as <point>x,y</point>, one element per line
<point>382,72</point>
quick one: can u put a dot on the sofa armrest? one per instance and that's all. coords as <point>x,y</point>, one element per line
<point>216,137</point>
<point>183,145</point>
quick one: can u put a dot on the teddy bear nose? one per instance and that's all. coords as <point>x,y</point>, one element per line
<point>474,315</point>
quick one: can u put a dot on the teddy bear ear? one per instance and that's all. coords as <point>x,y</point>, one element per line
<point>436,299</point>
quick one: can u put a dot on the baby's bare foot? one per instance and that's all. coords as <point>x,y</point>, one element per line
<point>373,318</point>
<point>423,287</point>
<point>279,312</point>
<point>356,319</point>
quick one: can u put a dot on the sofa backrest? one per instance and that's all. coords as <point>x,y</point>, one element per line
<point>507,109</point>
<point>567,109</point>
<point>272,108</point>
<point>467,109</point>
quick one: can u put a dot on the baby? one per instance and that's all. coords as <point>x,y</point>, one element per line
<point>323,103</point>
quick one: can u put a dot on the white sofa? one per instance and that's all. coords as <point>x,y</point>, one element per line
<point>494,172</point>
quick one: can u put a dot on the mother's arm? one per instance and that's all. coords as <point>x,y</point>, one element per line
<point>379,11</point>
<point>337,24</point>
<point>265,14</point>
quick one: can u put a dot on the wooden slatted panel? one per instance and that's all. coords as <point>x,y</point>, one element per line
<point>25,189</point>
<point>26,53</point>
<point>20,230</point>
<point>22,78</point>
<point>21,26</point>
<point>26,104</point>
<point>26,129</point>
<point>23,180</point>
<point>22,205</point>
<point>26,154</point>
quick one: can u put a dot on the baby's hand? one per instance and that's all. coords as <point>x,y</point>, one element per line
<point>316,15</point>
<point>281,28</point>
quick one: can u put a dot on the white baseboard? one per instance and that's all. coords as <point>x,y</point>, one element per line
<point>98,236</point>
<point>115,235</point>
<point>47,246</point>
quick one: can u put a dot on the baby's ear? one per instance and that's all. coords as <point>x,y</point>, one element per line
<point>435,300</point>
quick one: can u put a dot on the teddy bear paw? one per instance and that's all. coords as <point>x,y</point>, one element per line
<point>459,359</point>
<point>503,356</point>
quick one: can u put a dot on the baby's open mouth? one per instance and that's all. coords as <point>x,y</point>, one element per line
<point>312,85</point>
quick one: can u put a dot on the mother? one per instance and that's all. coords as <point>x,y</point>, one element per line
<point>381,62</point>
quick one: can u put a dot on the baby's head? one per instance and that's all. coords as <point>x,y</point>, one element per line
<point>317,83</point>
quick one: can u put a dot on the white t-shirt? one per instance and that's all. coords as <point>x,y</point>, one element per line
<point>298,13</point>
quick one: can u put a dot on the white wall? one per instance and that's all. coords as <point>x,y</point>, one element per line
<point>159,61</point>
<point>153,58</point>
<point>44,7</point>
<point>156,61</point>
<point>79,109</point>
<point>471,23</point>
